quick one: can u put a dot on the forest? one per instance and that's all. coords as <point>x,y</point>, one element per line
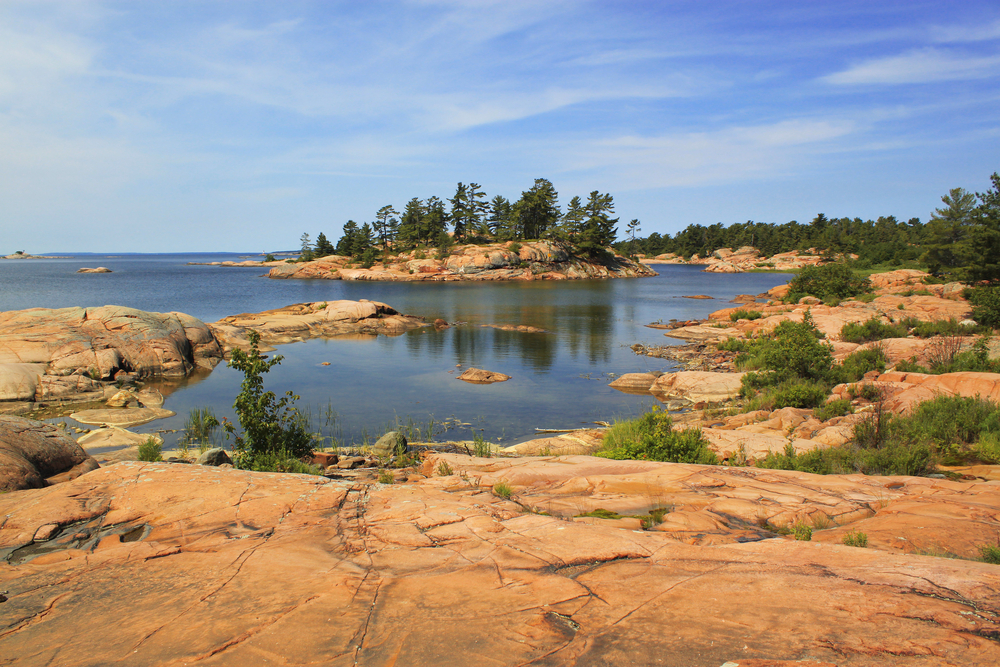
<point>961,239</point>
<point>586,225</point>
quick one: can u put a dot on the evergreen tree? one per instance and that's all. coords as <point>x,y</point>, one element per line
<point>537,210</point>
<point>500,219</point>
<point>599,229</point>
<point>410,225</point>
<point>476,211</point>
<point>323,246</point>
<point>460,211</point>
<point>434,221</point>
<point>947,233</point>
<point>346,244</point>
<point>307,252</point>
<point>984,241</point>
<point>386,225</point>
<point>572,220</point>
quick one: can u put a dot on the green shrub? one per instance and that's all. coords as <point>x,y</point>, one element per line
<point>791,350</point>
<point>445,470</point>
<point>150,450</point>
<point>865,390</point>
<point>269,258</point>
<point>502,490</point>
<point>835,280</point>
<point>855,365</point>
<point>270,425</point>
<point>798,394</point>
<point>988,448</point>
<point>278,461</point>
<point>986,305</point>
<point>385,477</point>
<point>743,314</point>
<point>514,247</point>
<point>990,553</point>
<point>837,408</point>
<point>871,330</point>
<point>480,447</point>
<point>910,366</point>
<point>652,438</point>
<point>802,532</point>
<point>856,538</point>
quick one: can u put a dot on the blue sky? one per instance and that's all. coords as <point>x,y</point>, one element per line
<point>238,125</point>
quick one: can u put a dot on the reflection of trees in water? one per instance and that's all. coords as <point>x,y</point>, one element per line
<point>535,349</point>
<point>589,329</point>
<point>426,341</point>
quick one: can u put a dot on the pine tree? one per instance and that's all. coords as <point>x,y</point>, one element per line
<point>307,252</point>
<point>460,210</point>
<point>500,219</point>
<point>537,210</point>
<point>984,241</point>
<point>947,233</point>
<point>599,229</point>
<point>411,224</point>
<point>323,246</point>
<point>386,225</point>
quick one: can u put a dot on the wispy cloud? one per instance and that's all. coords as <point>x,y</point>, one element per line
<point>919,66</point>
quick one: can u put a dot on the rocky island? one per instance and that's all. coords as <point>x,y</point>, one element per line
<point>531,260</point>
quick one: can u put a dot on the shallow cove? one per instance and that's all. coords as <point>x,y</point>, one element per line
<point>559,378</point>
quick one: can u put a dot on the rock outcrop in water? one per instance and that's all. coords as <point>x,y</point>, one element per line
<point>535,260</point>
<point>35,454</point>
<point>314,320</point>
<point>54,354</point>
<point>197,565</point>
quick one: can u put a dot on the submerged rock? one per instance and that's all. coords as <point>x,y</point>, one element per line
<point>480,376</point>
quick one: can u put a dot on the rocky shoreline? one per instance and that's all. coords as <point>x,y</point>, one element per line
<point>535,260</point>
<point>582,558</point>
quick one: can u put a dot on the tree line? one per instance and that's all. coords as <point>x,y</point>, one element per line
<point>588,226</point>
<point>961,239</point>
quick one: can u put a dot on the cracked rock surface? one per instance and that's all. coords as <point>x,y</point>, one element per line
<point>196,565</point>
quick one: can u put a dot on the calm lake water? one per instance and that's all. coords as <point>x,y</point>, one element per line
<point>559,378</point>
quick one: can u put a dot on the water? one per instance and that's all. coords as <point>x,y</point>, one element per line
<point>559,378</point>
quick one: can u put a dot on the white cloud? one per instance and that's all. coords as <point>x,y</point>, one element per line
<point>722,156</point>
<point>918,66</point>
<point>966,33</point>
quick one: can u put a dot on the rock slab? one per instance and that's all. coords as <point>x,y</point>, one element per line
<point>198,565</point>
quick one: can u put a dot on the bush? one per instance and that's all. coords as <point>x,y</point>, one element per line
<point>514,247</point>
<point>270,425</point>
<point>856,539</point>
<point>837,408</point>
<point>652,438</point>
<point>802,532</point>
<point>871,330</point>
<point>855,365</point>
<point>986,305</point>
<point>278,461</point>
<point>269,258</point>
<point>744,314</point>
<point>150,450</point>
<point>445,470</point>
<point>990,554</point>
<point>791,351</point>
<point>835,280</point>
<point>798,394</point>
<point>201,429</point>
<point>480,447</point>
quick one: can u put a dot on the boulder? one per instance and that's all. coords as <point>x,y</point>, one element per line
<point>216,456</point>
<point>635,383</point>
<point>34,454</point>
<point>697,386</point>
<point>122,398</point>
<point>391,444</point>
<point>479,376</point>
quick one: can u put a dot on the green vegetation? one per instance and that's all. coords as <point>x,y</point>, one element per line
<point>269,258</point>
<point>829,281</point>
<point>837,408</point>
<point>150,450</point>
<point>652,438</point>
<point>744,314</point>
<point>385,477</point>
<point>201,430</point>
<point>271,426</point>
<point>502,490</point>
<point>856,538</point>
<point>653,518</point>
<point>445,470</point>
<point>872,330</point>
<point>802,532</point>
<point>480,447</point>
<point>990,553</point>
<point>985,302</point>
<point>947,356</point>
